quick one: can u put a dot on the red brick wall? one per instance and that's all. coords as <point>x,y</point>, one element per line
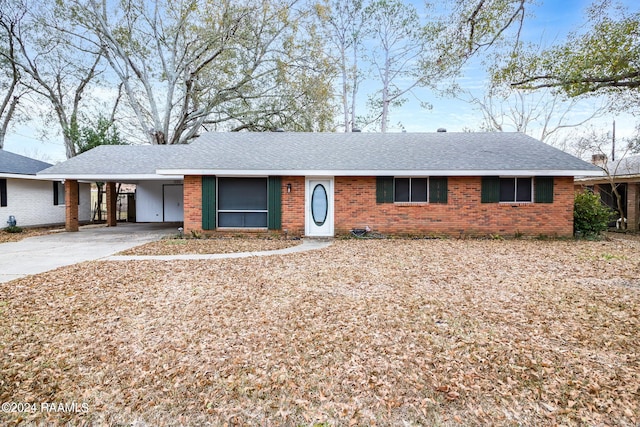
<point>192,204</point>
<point>293,205</point>
<point>356,207</point>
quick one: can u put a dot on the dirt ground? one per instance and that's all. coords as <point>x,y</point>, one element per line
<point>364,332</point>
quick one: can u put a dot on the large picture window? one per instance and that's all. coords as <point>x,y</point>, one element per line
<point>242,202</point>
<point>516,190</point>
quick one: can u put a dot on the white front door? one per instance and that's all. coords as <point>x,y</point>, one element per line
<point>172,195</point>
<point>319,207</point>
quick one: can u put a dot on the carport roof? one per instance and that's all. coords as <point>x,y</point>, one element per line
<point>351,154</point>
<point>117,162</point>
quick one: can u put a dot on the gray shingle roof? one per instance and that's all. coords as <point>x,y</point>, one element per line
<point>119,160</point>
<point>376,151</point>
<point>332,152</point>
<point>629,165</point>
<point>11,163</point>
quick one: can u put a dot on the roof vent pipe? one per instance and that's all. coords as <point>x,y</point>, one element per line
<point>356,130</point>
<point>442,130</point>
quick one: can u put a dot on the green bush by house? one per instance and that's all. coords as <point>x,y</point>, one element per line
<point>590,215</point>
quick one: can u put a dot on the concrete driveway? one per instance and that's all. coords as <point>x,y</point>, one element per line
<point>43,253</point>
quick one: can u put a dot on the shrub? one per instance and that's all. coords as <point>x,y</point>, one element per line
<point>13,229</point>
<point>590,215</point>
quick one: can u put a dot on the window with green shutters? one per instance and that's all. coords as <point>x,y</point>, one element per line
<point>241,202</point>
<point>517,189</point>
<point>411,190</point>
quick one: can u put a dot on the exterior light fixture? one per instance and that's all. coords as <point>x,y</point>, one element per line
<point>288,188</point>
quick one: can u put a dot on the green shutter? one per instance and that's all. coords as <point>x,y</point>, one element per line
<point>490,189</point>
<point>208,202</point>
<point>438,189</point>
<point>384,189</point>
<point>274,203</point>
<point>544,189</point>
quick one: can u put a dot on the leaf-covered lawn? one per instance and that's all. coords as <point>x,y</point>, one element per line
<point>210,246</point>
<point>391,332</point>
<point>6,237</point>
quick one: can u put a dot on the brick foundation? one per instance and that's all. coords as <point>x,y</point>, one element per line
<point>356,207</point>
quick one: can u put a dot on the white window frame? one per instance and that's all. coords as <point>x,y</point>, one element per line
<point>515,190</point>
<point>410,179</point>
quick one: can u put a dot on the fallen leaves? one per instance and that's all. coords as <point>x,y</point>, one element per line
<point>6,237</point>
<point>363,332</point>
<point>222,245</point>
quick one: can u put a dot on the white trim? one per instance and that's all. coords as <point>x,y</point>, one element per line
<point>110,177</point>
<point>371,172</point>
<point>25,176</point>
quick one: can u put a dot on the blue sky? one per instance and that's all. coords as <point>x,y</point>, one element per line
<point>551,22</point>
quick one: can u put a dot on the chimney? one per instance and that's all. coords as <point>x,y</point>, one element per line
<point>442,130</point>
<point>599,159</point>
<point>356,130</point>
<point>279,130</point>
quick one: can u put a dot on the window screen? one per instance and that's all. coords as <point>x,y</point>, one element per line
<point>242,202</point>
<point>515,190</point>
<point>418,189</point>
<point>401,190</point>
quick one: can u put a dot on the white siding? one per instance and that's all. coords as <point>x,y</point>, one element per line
<point>149,200</point>
<point>31,202</point>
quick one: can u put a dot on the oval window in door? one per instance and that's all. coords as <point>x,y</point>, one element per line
<point>319,204</point>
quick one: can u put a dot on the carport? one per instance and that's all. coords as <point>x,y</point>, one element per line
<point>160,198</point>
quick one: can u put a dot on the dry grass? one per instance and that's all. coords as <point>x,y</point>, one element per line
<point>6,237</point>
<point>210,246</point>
<point>440,332</point>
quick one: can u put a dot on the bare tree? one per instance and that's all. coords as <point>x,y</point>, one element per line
<point>183,70</point>
<point>10,83</point>
<point>539,114</point>
<point>397,54</point>
<point>42,52</point>
<point>599,144</point>
<point>344,25</point>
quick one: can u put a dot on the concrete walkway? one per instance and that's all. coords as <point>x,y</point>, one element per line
<point>38,254</point>
<point>307,245</point>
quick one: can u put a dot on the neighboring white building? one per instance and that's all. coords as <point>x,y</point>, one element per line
<point>33,200</point>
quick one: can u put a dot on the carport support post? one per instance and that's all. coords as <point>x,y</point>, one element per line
<point>71,204</point>
<point>111,204</point>
<point>633,202</point>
